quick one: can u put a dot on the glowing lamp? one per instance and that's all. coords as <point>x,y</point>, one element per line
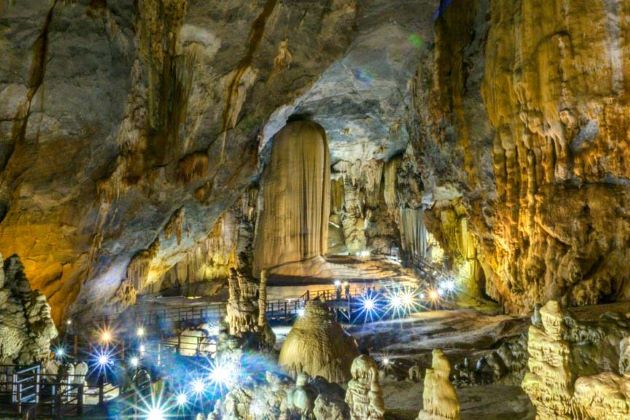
<point>434,295</point>
<point>134,361</point>
<point>103,360</point>
<point>385,361</point>
<point>448,285</point>
<point>181,399</point>
<point>198,386</point>
<point>69,322</point>
<point>337,283</point>
<point>140,332</point>
<point>142,348</point>
<point>396,301</point>
<point>60,352</point>
<point>156,413</point>
<point>106,336</point>
<point>369,304</point>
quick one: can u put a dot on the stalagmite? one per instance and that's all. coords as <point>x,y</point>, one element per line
<point>246,310</point>
<point>439,399</point>
<point>317,345</point>
<point>364,395</point>
<point>26,325</point>
<point>293,216</point>
<point>242,312</point>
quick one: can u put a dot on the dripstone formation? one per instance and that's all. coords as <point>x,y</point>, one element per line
<point>439,399</point>
<point>364,395</point>
<point>26,325</point>
<point>318,345</point>
<point>293,219</point>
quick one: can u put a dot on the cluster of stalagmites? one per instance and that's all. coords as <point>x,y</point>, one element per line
<point>26,326</point>
<point>246,307</point>
<point>554,382</point>
<point>318,346</point>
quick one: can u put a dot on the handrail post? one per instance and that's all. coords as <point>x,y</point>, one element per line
<point>57,398</point>
<point>80,400</point>
<point>101,390</point>
<point>18,389</point>
<point>37,382</point>
<point>179,343</point>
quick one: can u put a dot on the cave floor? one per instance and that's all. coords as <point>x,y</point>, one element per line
<point>460,333</point>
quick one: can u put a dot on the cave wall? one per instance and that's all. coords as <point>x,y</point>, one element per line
<point>128,128</point>
<point>525,138</point>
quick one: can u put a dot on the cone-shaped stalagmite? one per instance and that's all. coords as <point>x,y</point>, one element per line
<point>293,220</point>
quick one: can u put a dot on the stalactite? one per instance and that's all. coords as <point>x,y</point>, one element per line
<point>390,172</point>
<point>293,219</point>
<point>175,225</point>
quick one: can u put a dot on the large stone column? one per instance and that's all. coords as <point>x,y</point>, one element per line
<point>293,215</point>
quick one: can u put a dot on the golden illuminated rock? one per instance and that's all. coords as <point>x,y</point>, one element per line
<point>523,134</point>
<point>293,217</point>
<point>439,399</point>
<point>553,382</point>
<point>318,345</point>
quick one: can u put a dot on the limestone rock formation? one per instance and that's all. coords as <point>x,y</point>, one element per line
<point>554,382</point>
<point>520,133</point>
<point>364,395</point>
<point>439,399</point>
<point>279,398</point>
<point>119,119</point>
<point>242,305</point>
<point>295,206</point>
<point>318,345</point>
<point>26,325</point>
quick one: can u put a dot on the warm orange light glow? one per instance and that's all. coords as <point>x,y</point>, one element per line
<point>106,336</point>
<point>434,295</point>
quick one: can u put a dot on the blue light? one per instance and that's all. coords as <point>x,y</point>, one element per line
<point>198,386</point>
<point>181,399</point>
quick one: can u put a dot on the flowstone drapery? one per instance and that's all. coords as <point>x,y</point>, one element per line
<point>293,216</point>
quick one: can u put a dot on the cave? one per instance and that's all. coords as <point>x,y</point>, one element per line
<point>332,209</point>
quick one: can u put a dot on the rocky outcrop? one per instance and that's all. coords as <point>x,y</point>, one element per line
<point>520,140</point>
<point>128,128</point>
<point>318,345</point>
<point>556,381</point>
<point>295,204</point>
<point>26,326</point>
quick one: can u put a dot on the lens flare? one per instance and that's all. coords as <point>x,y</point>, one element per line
<point>370,307</point>
<point>156,413</point>
<point>181,399</point>
<point>198,386</point>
